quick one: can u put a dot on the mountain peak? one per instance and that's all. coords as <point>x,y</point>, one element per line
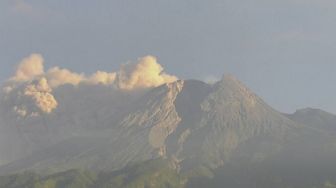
<point>229,78</point>
<point>308,110</point>
<point>315,118</point>
<point>231,89</point>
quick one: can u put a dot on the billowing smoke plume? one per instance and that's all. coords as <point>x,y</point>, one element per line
<point>101,77</point>
<point>40,92</point>
<point>29,68</point>
<point>146,73</point>
<point>57,77</point>
<point>31,88</point>
<point>31,99</point>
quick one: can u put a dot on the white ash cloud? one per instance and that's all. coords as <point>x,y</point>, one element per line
<point>30,90</point>
<point>41,93</point>
<point>30,99</point>
<point>146,73</point>
<point>57,77</point>
<point>29,68</point>
<point>101,77</point>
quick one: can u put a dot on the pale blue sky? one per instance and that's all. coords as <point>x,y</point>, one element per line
<point>285,50</point>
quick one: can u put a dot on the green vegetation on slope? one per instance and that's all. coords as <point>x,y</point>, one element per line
<point>158,174</point>
<point>68,179</point>
<point>152,174</point>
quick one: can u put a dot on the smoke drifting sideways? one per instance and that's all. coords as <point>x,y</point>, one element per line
<point>30,92</point>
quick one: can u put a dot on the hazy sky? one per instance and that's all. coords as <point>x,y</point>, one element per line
<point>285,50</point>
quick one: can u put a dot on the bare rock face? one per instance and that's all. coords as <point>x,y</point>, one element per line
<point>162,129</point>
<point>156,112</point>
<point>217,119</point>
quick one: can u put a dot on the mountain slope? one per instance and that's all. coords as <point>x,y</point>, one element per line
<point>196,126</point>
<point>159,173</point>
<point>315,118</point>
<point>228,115</point>
<point>116,141</point>
<point>151,174</point>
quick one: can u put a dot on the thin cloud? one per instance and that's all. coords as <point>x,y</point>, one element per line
<point>21,6</point>
<point>37,12</point>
